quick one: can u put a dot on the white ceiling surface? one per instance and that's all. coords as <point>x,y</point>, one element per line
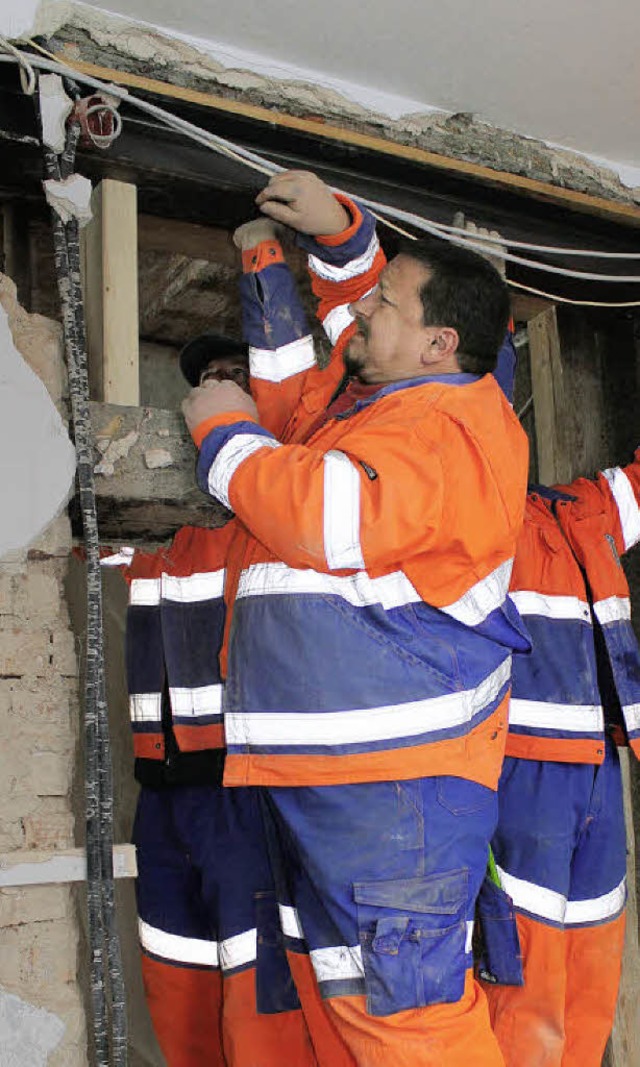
<point>564,71</point>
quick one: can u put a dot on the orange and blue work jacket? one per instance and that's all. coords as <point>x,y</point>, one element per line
<point>583,674</point>
<point>371,634</point>
<point>175,624</point>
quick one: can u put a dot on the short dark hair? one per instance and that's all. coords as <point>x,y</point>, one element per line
<point>466,293</point>
<point>207,347</point>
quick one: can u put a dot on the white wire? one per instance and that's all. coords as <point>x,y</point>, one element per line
<point>266,167</point>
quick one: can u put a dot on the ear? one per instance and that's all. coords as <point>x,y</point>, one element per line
<point>440,345</point>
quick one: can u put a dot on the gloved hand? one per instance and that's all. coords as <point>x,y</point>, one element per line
<point>494,253</point>
<point>253,233</point>
<point>215,398</point>
<point>299,199</point>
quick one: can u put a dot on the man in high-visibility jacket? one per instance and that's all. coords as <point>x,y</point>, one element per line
<point>560,841</point>
<point>215,973</point>
<point>368,658</point>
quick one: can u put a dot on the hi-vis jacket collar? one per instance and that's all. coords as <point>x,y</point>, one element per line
<point>409,383</point>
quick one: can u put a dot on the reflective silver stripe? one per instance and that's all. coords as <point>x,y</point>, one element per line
<point>628,509</point>
<point>145,707</point>
<point>548,904</point>
<point>341,513</point>
<point>178,949</point>
<point>119,559</point>
<point>290,922</point>
<point>631,714</point>
<point>482,598</point>
<point>337,963</point>
<point>598,909</point>
<point>267,579</point>
<point>534,898</point>
<point>229,458</point>
<point>278,364</point>
<point>543,715</point>
<point>468,945</point>
<point>192,588</point>
<point>203,700</point>
<point>370,724</point>
<point>336,322</point>
<point>145,592</point>
<point>528,602</point>
<point>239,950</point>
<point>359,265</point>
<point>613,609</point>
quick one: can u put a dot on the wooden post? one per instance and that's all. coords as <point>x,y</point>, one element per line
<point>554,461</point>
<point>110,281</point>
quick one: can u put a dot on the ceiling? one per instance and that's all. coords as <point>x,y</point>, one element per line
<point>556,70</point>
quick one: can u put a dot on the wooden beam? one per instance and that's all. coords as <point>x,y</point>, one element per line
<point>172,236</point>
<point>110,282</point>
<point>145,475</point>
<point>554,461</point>
<point>627,214</point>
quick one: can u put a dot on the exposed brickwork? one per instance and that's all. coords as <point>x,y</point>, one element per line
<point>39,699</point>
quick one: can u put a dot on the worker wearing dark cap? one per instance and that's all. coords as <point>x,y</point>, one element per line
<point>215,973</point>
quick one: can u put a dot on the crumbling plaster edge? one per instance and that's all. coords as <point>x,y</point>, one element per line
<point>111,40</point>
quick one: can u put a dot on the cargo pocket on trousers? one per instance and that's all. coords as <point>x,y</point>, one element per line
<point>496,941</point>
<point>412,934</point>
<point>275,988</point>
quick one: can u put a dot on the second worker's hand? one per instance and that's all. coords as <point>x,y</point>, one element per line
<point>299,199</point>
<point>215,398</point>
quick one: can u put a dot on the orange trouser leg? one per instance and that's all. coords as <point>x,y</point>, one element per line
<point>442,1035</point>
<point>252,1040</point>
<point>594,962</point>
<point>329,1047</point>
<point>528,1020</point>
<point>185,1005</point>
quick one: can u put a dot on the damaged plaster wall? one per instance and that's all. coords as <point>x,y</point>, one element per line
<point>77,31</point>
<point>42,1012</point>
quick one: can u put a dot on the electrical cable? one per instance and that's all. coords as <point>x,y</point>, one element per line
<point>264,166</point>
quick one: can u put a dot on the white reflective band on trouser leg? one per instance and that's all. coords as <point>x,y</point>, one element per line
<point>204,700</point>
<point>625,499</point>
<point>278,364</point>
<point>145,707</point>
<point>239,950</point>
<point>341,513</point>
<point>144,592</point>
<point>230,457</point>
<point>341,962</point>
<point>359,265</point>
<point>191,950</point>
<point>547,904</point>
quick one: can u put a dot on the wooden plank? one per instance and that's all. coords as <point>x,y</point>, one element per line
<point>554,461</point>
<point>210,243</point>
<point>136,500</point>
<point>110,282</point>
<point>627,214</point>
<point>30,867</point>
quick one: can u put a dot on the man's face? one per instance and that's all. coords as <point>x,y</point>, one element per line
<point>227,368</point>
<point>390,336</point>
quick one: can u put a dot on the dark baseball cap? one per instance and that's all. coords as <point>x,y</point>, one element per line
<point>198,353</point>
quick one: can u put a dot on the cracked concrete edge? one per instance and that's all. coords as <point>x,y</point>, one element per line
<point>98,37</point>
